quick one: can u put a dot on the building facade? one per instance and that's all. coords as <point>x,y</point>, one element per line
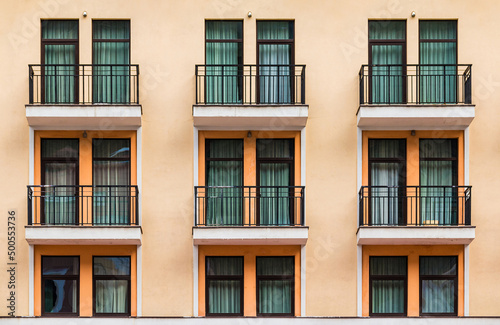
<point>157,157</point>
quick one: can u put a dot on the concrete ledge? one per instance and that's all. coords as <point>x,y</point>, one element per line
<point>84,115</point>
<point>83,235</point>
<point>251,116</point>
<point>250,235</point>
<point>415,116</point>
<point>416,235</point>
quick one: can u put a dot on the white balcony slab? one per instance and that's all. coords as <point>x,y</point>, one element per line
<point>83,235</point>
<point>91,116</point>
<point>251,116</point>
<point>416,235</point>
<point>250,235</point>
<point>416,116</point>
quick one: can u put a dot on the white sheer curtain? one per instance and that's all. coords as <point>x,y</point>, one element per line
<point>112,285</point>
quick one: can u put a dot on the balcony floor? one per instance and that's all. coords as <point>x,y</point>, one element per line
<point>415,235</point>
<point>251,116</point>
<point>83,235</point>
<point>398,116</point>
<point>250,235</point>
<point>84,116</point>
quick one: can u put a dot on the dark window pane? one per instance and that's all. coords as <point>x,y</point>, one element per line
<point>275,265</point>
<point>111,265</point>
<point>111,29</point>
<point>60,296</point>
<point>440,265</point>
<point>60,265</point>
<point>222,148</point>
<point>111,148</point>
<point>386,29</point>
<point>275,30</point>
<point>275,148</point>
<point>223,30</point>
<point>388,266</point>
<point>59,29</point>
<point>59,148</point>
<point>224,266</point>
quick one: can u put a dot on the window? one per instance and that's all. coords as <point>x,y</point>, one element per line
<point>111,286</point>
<point>275,286</point>
<point>59,61</point>
<point>60,285</point>
<point>111,180</point>
<point>224,167</point>
<point>439,178</point>
<point>224,60</point>
<point>438,55</point>
<point>387,176</point>
<point>387,60</point>
<point>275,176</point>
<point>275,55</point>
<point>111,59</point>
<point>59,166</point>
<point>224,286</point>
<point>438,285</point>
<point>388,286</point>
<point>270,198</point>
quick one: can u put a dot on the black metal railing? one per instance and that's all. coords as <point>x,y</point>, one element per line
<point>84,84</point>
<point>226,84</point>
<point>249,206</point>
<point>415,84</point>
<point>415,206</point>
<point>80,205</point>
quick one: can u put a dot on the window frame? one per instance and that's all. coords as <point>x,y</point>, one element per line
<point>403,181</point>
<point>291,278</point>
<point>60,277</point>
<point>438,277</point>
<point>290,42</point>
<point>388,277</point>
<point>239,278</point>
<point>112,40</point>
<point>76,161</point>
<point>60,41</point>
<point>402,42</point>
<point>112,277</point>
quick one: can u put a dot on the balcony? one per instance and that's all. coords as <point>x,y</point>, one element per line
<point>83,215</point>
<point>249,215</point>
<point>83,95</point>
<point>250,96</point>
<point>413,96</point>
<point>415,215</point>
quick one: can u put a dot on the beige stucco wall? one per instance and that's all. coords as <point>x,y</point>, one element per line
<point>167,40</point>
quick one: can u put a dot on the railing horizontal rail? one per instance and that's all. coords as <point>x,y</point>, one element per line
<point>246,84</point>
<point>415,206</point>
<point>84,84</point>
<point>249,206</point>
<point>83,205</point>
<point>427,84</point>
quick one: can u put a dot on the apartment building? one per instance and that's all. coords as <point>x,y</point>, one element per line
<point>158,155</point>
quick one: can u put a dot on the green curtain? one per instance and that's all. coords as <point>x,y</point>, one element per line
<point>60,167</point>
<point>387,81</point>
<point>388,294</point>
<point>60,292</point>
<point>275,81</point>
<point>111,46</point>
<point>438,47</point>
<point>438,295</point>
<point>223,83</point>
<point>225,198</point>
<point>275,290</point>
<point>277,199</point>
<point>386,202</point>
<point>59,81</point>
<point>112,295</point>
<point>111,167</point>
<point>438,203</point>
<point>224,295</point>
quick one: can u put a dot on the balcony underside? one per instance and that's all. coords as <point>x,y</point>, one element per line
<point>84,116</point>
<point>416,116</point>
<point>415,235</point>
<point>83,235</point>
<point>251,116</point>
<point>254,235</point>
